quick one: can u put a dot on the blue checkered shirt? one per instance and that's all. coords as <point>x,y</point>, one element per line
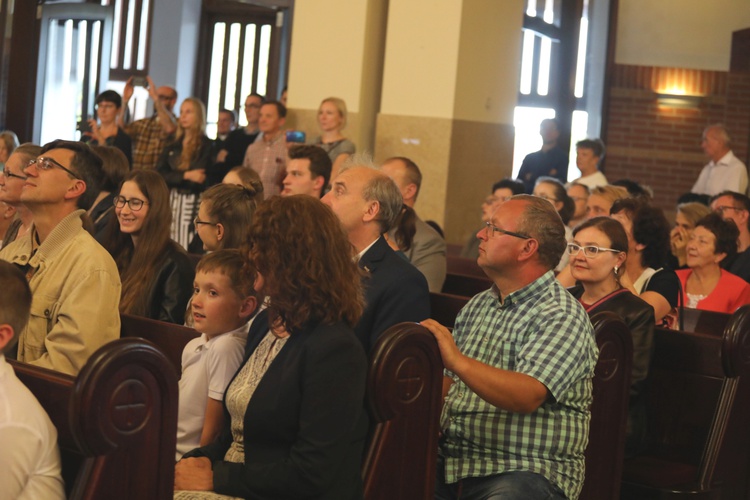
<point>543,332</point>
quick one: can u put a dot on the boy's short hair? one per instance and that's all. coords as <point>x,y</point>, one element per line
<point>236,266</point>
<point>15,297</point>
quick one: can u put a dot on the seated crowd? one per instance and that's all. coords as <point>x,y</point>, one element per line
<point>301,256</point>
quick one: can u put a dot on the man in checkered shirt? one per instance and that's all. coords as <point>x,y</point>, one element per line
<point>519,366</point>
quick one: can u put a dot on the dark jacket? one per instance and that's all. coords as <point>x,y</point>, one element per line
<point>395,291</point>
<point>173,287</point>
<point>169,161</point>
<point>305,425</point>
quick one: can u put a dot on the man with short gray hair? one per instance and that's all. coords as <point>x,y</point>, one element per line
<point>518,369</point>
<point>367,202</point>
<point>725,172</point>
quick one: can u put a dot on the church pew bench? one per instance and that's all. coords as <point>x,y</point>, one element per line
<point>461,265</point>
<point>609,409</point>
<point>116,421</point>
<point>444,307</point>
<point>168,337</point>
<point>465,284</point>
<point>403,399</point>
<point>698,412</point>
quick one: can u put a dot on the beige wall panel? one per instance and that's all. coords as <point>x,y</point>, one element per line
<point>489,60</point>
<point>421,54</point>
<point>481,154</point>
<point>426,141</point>
<point>679,33</point>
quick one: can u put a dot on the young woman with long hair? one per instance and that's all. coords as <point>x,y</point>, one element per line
<point>156,274</point>
<point>184,164</point>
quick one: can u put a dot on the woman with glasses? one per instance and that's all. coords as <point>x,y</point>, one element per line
<point>106,132</point>
<point>225,215</point>
<point>12,180</point>
<point>184,164</point>
<point>705,285</point>
<point>597,260</point>
<point>156,274</point>
<point>332,120</point>
<point>294,423</point>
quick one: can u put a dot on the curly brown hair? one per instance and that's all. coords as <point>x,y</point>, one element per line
<point>306,260</point>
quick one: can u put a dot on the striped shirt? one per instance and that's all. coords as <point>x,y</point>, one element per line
<point>543,332</point>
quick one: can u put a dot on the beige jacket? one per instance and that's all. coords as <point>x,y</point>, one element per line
<point>76,288</point>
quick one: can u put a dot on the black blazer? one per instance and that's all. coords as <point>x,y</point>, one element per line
<point>305,426</point>
<point>395,291</point>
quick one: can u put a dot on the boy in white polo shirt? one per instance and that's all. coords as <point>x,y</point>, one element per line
<point>223,302</point>
<point>29,458</point>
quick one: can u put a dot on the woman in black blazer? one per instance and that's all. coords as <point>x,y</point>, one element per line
<point>295,423</point>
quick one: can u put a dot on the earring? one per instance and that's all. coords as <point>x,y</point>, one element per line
<point>616,269</point>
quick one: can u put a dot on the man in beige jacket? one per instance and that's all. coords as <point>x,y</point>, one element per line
<point>74,281</point>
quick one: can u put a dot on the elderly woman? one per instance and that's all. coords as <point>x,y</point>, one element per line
<point>332,120</point>
<point>705,284</point>
<point>688,215</point>
<point>294,417</point>
<point>646,273</point>
<point>598,255</point>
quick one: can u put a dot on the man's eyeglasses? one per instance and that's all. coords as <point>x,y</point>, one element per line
<point>491,229</point>
<point>8,175</point>
<point>721,209</point>
<point>198,222</point>
<point>589,251</point>
<point>45,163</point>
<point>134,203</point>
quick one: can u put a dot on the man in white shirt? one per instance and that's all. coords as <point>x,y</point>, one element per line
<point>589,154</point>
<point>725,172</point>
<point>29,457</point>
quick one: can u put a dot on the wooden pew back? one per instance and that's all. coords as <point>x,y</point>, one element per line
<point>609,411</point>
<point>697,414</point>
<point>465,285</point>
<point>444,307</point>
<point>171,339</point>
<point>461,265</point>
<point>404,401</point>
<point>116,421</point>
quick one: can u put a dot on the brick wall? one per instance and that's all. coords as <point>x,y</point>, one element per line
<point>660,146</point>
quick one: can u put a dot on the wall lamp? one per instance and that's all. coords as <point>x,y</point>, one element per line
<point>678,100</point>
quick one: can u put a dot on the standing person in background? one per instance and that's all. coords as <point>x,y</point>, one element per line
<point>725,172</point>
<point>589,154</point>
<point>184,164</point>
<point>156,273</point>
<point>268,155</point>
<point>150,135</point>
<point>224,126</point>
<point>238,140</point>
<point>550,161</point>
<point>107,132</point>
<point>332,116</point>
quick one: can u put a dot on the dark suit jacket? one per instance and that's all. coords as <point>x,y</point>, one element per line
<point>395,291</point>
<point>305,425</point>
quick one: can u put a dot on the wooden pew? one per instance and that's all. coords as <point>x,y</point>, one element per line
<point>168,337</point>
<point>116,421</point>
<point>444,307</point>
<point>404,401</point>
<point>699,393</point>
<point>609,411</point>
<point>465,284</point>
<point>461,265</point>
<point>454,249</point>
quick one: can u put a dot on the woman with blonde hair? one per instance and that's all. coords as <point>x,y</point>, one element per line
<point>183,164</point>
<point>602,198</point>
<point>332,120</point>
